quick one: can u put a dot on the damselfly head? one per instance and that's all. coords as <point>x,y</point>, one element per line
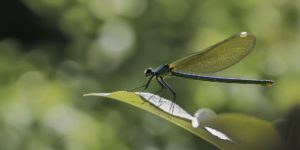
<point>148,72</point>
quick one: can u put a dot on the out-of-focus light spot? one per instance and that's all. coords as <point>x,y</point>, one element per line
<point>113,45</point>
<point>17,115</point>
<point>102,9</point>
<point>130,8</point>
<point>116,37</point>
<point>77,21</point>
<point>79,130</point>
<point>203,115</point>
<point>31,80</point>
<point>262,17</point>
<point>62,119</point>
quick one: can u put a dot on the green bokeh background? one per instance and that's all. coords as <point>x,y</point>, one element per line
<point>53,51</point>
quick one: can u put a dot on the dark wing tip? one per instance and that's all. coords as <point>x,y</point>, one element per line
<point>268,83</point>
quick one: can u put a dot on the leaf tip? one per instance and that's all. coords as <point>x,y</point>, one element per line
<point>86,94</point>
<point>96,94</point>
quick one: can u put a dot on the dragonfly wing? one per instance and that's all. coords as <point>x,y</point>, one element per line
<point>217,57</point>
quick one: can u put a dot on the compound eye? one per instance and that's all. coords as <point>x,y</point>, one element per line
<point>148,72</point>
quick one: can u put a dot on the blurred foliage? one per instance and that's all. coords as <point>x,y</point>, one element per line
<point>53,51</point>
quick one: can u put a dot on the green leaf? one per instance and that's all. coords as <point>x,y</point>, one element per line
<point>226,131</point>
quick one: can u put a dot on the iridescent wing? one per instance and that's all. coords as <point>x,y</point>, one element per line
<point>217,57</point>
